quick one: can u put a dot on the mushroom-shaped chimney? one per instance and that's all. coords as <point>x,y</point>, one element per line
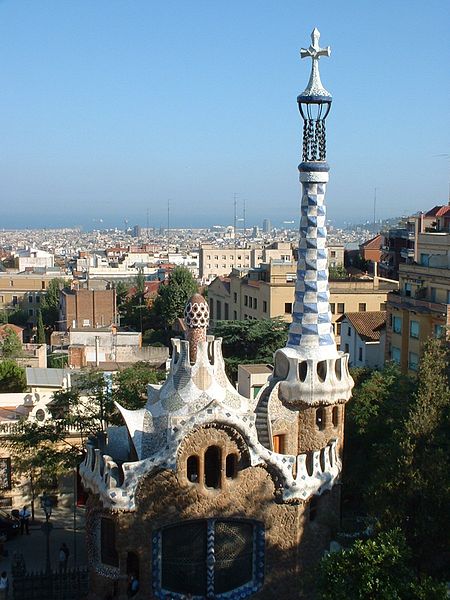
<point>196,318</point>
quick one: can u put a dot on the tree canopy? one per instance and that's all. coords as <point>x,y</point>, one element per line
<point>250,341</point>
<point>50,301</point>
<point>172,298</point>
<point>12,377</point>
<point>10,344</point>
<point>375,569</point>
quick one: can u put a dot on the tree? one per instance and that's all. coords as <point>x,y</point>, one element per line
<point>12,377</point>
<point>338,272</point>
<point>375,569</point>
<point>50,302</point>
<point>11,346</point>
<point>172,298</point>
<point>40,329</point>
<point>130,385</point>
<point>250,341</point>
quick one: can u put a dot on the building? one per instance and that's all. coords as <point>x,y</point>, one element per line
<point>252,378</point>
<point>205,493</point>
<point>219,262</point>
<point>268,292</point>
<point>30,259</point>
<point>267,226</point>
<point>420,308</point>
<point>336,255</point>
<point>25,290</point>
<point>363,338</point>
<point>87,308</point>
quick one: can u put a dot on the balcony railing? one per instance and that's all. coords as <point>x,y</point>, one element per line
<point>421,305</point>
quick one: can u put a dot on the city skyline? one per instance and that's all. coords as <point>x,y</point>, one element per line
<point>108,110</point>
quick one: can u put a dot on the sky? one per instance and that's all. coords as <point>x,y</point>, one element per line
<point>110,108</point>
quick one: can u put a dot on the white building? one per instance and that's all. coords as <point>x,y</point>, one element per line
<point>30,258</point>
<point>363,338</point>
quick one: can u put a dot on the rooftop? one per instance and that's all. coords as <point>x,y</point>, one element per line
<point>368,324</point>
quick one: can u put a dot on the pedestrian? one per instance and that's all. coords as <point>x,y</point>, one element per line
<point>133,586</point>
<point>4,585</point>
<point>24,518</point>
<point>63,557</point>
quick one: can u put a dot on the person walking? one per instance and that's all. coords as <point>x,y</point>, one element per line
<point>63,557</point>
<point>4,586</point>
<point>24,518</point>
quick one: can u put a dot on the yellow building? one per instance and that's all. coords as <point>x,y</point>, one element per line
<point>268,291</point>
<point>420,309</point>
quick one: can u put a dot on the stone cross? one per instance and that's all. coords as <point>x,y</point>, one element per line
<point>315,51</point>
<point>315,87</point>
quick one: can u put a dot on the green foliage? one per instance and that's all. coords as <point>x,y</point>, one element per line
<point>50,302</point>
<point>397,454</point>
<point>121,294</point>
<point>12,377</point>
<point>250,341</point>
<point>10,345</point>
<point>172,298</point>
<point>40,329</point>
<point>337,272</point>
<point>57,361</point>
<point>18,316</point>
<point>130,385</point>
<point>375,569</point>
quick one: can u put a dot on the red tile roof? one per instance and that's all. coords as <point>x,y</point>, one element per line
<point>368,325</point>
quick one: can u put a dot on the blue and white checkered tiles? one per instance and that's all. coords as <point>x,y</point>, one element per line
<point>311,317</point>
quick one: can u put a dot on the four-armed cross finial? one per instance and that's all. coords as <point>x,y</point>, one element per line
<point>315,87</point>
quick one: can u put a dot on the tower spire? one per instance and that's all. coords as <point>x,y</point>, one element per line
<point>311,331</point>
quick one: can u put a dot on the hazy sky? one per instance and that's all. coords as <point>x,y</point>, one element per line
<point>110,107</point>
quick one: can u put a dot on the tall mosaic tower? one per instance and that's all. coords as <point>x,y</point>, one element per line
<point>206,494</point>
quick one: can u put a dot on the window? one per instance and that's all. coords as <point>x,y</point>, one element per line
<point>264,306</point>
<point>347,349</point>
<point>288,307</point>
<point>407,290</point>
<point>413,361</point>
<point>362,307</point>
<point>256,389</point>
<point>213,466</point>
<point>211,308</point>
<point>14,300</point>
<point>30,312</point>
<point>395,354</point>
<point>396,324</point>
<point>235,297</point>
<point>231,465</point>
<point>245,300</point>
<point>219,310</point>
<point>185,551</point>
<point>424,259</point>
<point>279,443</point>
<point>192,469</point>
<point>338,328</point>
<point>414,329</point>
<point>333,253</point>
<point>235,315</point>
<point>335,416</point>
<point>38,299</point>
<point>109,555</point>
<point>30,299</point>
<point>360,354</point>
<point>438,330</point>
<point>341,308</point>
<point>333,308</point>
<point>382,305</point>
<point>226,311</point>
<point>320,418</point>
<point>250,302</point>
<point>349,331</point>
<point>433,293</point>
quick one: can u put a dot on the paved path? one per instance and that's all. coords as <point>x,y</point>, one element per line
<point>33,546</point>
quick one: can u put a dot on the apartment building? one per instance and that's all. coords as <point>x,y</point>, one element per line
<point>215,261</point>
<point>30,258</point>
<point>87,308</point>
<point>268,291</point>
<point>25,290</point>
<point>420,308</point>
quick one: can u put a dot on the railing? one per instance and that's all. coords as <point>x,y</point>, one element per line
<point>397,298</point>
<point>19,427</point>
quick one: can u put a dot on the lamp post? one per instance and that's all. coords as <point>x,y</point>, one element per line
<point>47,506</point>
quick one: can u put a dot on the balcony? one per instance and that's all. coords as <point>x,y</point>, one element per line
<point>417,304</point>
<point>407,253</point>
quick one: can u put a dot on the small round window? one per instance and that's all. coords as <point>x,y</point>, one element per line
<point>40,415</point>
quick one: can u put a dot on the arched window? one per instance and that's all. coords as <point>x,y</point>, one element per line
<point>309,463</point>
<point>322,459</point>
<point>192,468</point>
<point>335,416</point>
<point>213,465</point>
<point>185,552</point>
<point>231,466</point>
<point>320,418</point>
